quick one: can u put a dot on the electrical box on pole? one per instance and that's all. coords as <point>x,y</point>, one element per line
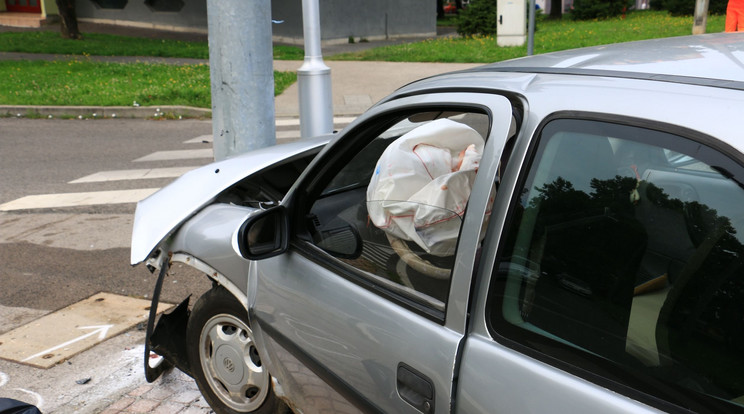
<point>511,22</point>
<point>242,76</point>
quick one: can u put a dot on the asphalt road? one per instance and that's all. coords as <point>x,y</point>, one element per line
<point>78,251</point>
<point>39,156</point>
<point>53,257</point>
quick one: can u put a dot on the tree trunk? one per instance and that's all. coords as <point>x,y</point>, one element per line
<point>69,24</point>
<point>556,8</point>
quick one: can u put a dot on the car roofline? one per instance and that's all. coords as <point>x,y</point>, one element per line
<point>686,80</point>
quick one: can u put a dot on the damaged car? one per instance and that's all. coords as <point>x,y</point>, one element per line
<point>556,233</point>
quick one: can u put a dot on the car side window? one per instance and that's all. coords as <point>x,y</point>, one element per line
<point>393,211</point>
<point>623,257</point>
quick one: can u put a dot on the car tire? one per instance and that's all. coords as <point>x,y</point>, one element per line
<point>223,357</point>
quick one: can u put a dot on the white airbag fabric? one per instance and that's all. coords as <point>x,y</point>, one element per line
<point>422,183</point>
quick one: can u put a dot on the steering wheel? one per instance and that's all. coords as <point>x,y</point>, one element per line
<point>417,263</point>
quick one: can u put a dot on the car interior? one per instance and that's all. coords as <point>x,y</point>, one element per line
<point>340,224</point>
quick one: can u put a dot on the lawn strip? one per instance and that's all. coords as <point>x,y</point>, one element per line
<point>81,82</point>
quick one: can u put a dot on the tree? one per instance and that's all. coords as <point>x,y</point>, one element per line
<point>599,9</point>
<point>69,26</point>
<point>479,18</point>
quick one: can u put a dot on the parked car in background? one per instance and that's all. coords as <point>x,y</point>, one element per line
<point>558,233</point>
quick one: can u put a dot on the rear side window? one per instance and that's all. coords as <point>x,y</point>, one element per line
<point>623,257</point>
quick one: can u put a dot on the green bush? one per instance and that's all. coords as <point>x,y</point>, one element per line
<point>599,9</point>
<point>479,18</point>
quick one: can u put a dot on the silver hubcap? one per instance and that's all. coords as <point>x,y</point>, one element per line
<point>231,364</point>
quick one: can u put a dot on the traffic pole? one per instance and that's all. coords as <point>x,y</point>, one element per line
<point>314,78</point>
<point>242,76</point>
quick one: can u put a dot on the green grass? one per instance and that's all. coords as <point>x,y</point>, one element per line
<point>94,44</point>
<point>85,82</point>
<point>551,35</point>
<point>82,82</point>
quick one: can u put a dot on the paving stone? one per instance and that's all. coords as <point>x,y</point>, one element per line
<point>196,410</point>
<point>139,391</point>
<point>186,397</point>
<point>123,403</point>
<point>143,406</point>
<point>169,408</point>
<point>201,402</point>
<point>158,394</point>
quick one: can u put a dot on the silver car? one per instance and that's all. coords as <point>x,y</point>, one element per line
<point>558,233</point>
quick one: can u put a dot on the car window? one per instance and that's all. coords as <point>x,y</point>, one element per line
<point>618,261</point>
<point>393,211</point>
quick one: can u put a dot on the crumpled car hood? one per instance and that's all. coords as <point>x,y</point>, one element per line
<point>160,214</point>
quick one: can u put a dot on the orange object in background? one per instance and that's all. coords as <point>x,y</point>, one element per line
<point>735,16</point>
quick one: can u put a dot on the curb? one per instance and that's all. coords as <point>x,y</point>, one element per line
<point>139,112</point>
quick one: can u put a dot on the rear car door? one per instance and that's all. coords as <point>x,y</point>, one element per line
<point>615,275</point>
<point>353,318</point>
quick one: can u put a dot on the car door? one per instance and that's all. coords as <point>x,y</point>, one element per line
<point>348,325</point>
<point>611,281</point>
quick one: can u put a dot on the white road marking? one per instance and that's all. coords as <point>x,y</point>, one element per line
<point>340,121</point>
<point>177,155</point>
<point>4,378</point>
<point>296,121</point>
<point>77,199</point>
<point>200,140</point>
<point>141,174</point>
<point>39,400</point>
<point>101,330</point>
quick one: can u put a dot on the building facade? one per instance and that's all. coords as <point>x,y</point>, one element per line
<point>340,19</point>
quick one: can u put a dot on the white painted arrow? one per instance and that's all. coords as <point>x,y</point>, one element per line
<point>101,330</point>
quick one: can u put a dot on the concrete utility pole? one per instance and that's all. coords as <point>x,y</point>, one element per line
<point>314,78</point>
<point>531,29</point>
<point>701,17</point>
<point>242,76</point>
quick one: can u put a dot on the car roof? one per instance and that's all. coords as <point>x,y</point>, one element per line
<point>692,82</point>
<point>711,60</point>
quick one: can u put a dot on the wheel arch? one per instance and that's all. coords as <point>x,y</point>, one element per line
<point>215,275</point>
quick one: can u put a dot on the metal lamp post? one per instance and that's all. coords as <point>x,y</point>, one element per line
<point>314,78</point>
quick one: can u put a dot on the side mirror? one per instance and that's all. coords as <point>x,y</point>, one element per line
<point>264,235</point>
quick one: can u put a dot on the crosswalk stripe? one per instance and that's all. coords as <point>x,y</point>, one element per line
<point>296,121</point>
<point>204,139</point>
<point>77,199</point>
<point>142,174</point>
<point>132,196</point>
<point>177,155</point>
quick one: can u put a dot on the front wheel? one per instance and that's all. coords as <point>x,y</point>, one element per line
<point>224,359</point>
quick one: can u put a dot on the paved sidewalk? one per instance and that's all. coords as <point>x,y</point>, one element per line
<point>174,392</point>
<point>356,86</point>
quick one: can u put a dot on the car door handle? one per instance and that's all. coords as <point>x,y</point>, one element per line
<point>415,388</point>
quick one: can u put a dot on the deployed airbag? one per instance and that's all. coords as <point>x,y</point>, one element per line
<point>422,182</point>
